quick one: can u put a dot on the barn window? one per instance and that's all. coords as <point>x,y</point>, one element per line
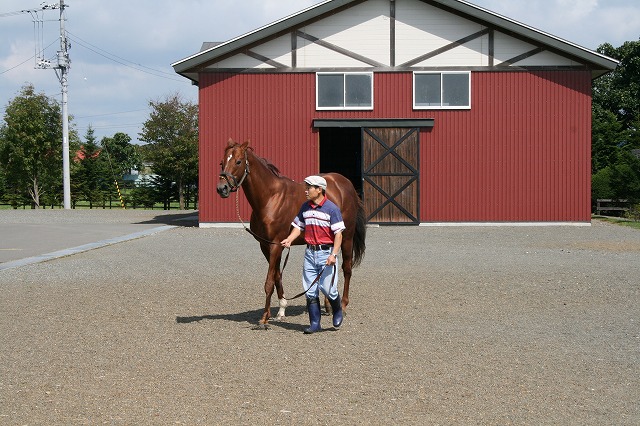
<point>442,90</point>
<point>344,90</point>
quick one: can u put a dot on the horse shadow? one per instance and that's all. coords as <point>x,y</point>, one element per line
<point>251,318</point>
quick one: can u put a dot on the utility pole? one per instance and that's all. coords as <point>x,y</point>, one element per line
<point>62,71</point>
<point>63,66</point>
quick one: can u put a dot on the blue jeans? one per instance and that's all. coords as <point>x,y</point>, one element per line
<point>314,261</point>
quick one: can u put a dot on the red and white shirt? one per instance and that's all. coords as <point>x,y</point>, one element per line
<point>320,222</point>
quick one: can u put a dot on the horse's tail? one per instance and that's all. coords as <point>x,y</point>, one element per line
<point>359,245</point>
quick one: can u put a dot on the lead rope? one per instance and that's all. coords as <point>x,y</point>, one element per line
<point>286,259</point>
<point>333,278</point>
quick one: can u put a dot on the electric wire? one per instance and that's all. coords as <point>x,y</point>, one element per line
<point>119,57</point>
<point>138,67</point>
<point>112,113</point>
<point>27,60</point>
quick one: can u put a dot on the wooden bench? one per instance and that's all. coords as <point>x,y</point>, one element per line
<point>609,205</point>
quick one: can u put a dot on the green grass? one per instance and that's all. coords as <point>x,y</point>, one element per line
<point>618,221</point>
<point>82,205</point>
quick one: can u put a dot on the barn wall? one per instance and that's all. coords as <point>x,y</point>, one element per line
<point>522,153</point>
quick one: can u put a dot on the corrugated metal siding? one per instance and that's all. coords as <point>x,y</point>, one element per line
<point>270,110</point>
<point>522,153</point>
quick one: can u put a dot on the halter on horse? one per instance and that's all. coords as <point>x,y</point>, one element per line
<point>275,201</point>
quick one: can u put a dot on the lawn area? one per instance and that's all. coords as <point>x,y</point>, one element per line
<point>618,221</point>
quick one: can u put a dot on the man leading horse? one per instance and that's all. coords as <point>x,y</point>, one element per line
<point>321,221</point>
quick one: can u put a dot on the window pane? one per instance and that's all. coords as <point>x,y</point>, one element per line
<point>358,90</point>
<point>330,90</point>
<point>456,89</point>
<point>427,87</point>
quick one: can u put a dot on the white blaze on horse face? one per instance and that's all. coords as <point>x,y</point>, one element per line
<point>229,158</point>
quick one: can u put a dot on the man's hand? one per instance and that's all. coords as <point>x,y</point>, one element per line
<point>286,242</point>
<point>295,233</point>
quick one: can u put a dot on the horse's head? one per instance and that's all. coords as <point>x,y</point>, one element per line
<point>234,168</point>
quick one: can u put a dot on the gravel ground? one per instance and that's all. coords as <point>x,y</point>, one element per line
<point>478,325</point>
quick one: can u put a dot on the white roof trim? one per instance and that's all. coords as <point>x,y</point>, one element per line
<point>187,65</point>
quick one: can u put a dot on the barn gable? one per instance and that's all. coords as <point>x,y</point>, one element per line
<point>397,35</point>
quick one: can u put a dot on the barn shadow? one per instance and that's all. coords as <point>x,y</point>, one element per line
<point>187,219</point>
<point>251,317</point>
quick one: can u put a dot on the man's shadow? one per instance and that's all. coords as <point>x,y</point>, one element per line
<point>252,317</point>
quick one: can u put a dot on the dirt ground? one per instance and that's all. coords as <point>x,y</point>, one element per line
<point>469,325</point>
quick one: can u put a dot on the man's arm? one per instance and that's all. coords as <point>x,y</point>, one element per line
<point>295,233</point>
<point>337,242</point>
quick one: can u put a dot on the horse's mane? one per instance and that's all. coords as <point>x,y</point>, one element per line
<point>268,164</point>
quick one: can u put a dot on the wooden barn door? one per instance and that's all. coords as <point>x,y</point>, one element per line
<point>390,166</point>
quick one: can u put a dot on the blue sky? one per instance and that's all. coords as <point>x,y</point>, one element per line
<point>122,51</point>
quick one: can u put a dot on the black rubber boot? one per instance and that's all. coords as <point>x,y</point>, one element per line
<point>336,307</point>
<point>313,306</point>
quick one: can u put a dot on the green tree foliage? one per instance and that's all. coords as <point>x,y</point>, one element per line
<point>122,155</point>
<point>619,91</point>
<point>616,126</point>
<point>31,149</point>
<point>90,175</point>
<point>172,135</point>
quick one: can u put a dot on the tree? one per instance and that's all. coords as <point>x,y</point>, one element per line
<point>122,155</point>
<point>172,132</point>
<point>91,171</point>
<point>619,91</point>
<point>616,126</point>
<point>31,147</point>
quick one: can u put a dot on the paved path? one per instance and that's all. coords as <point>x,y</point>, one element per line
<point>31,236</point>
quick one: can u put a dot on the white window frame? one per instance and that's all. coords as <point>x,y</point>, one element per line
<point>344,95</point>
<point>441,106</point>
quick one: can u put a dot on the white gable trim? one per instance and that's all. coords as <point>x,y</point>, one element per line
<point>393,35</point>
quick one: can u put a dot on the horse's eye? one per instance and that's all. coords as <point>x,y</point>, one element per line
<point>238,162</point>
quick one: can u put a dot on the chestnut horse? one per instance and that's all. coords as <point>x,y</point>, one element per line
<point>275,201</point>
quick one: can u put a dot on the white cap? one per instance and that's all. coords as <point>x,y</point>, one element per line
<point>316,181</point>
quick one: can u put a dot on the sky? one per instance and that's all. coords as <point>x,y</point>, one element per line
<point>121,51</point>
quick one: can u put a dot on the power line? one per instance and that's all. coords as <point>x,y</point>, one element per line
<point>112,113</point>
<point>22,63</point>
<point>7,14</point>
<point>115,58</point>
<point>111,126</point>
<point>16,66</point>
<point>119,57</point>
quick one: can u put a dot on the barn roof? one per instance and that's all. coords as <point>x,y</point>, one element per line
<point>189,66</point>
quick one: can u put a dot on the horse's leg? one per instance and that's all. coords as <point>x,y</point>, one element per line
<point>282,302</point>
<point>268,285</point>
<point>327,306</point>
<point>273,280</point>
<point>347,262</point>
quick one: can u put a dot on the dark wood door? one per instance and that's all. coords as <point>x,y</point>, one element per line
<point>390,169</point>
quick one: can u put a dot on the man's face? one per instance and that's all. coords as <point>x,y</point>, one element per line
<point>312,192</point>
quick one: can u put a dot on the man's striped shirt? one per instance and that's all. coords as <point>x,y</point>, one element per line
<point>319,222</point>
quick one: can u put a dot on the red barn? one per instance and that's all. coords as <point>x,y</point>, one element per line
<point>439,111</point>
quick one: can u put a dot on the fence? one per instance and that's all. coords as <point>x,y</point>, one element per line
<point>609,205</point>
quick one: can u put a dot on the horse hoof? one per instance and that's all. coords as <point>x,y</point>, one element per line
<point>280,318</point>
<point>260,327</point>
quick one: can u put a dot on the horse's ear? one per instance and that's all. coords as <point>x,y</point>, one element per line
<point>245,144</point>
<point>231,143</point>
